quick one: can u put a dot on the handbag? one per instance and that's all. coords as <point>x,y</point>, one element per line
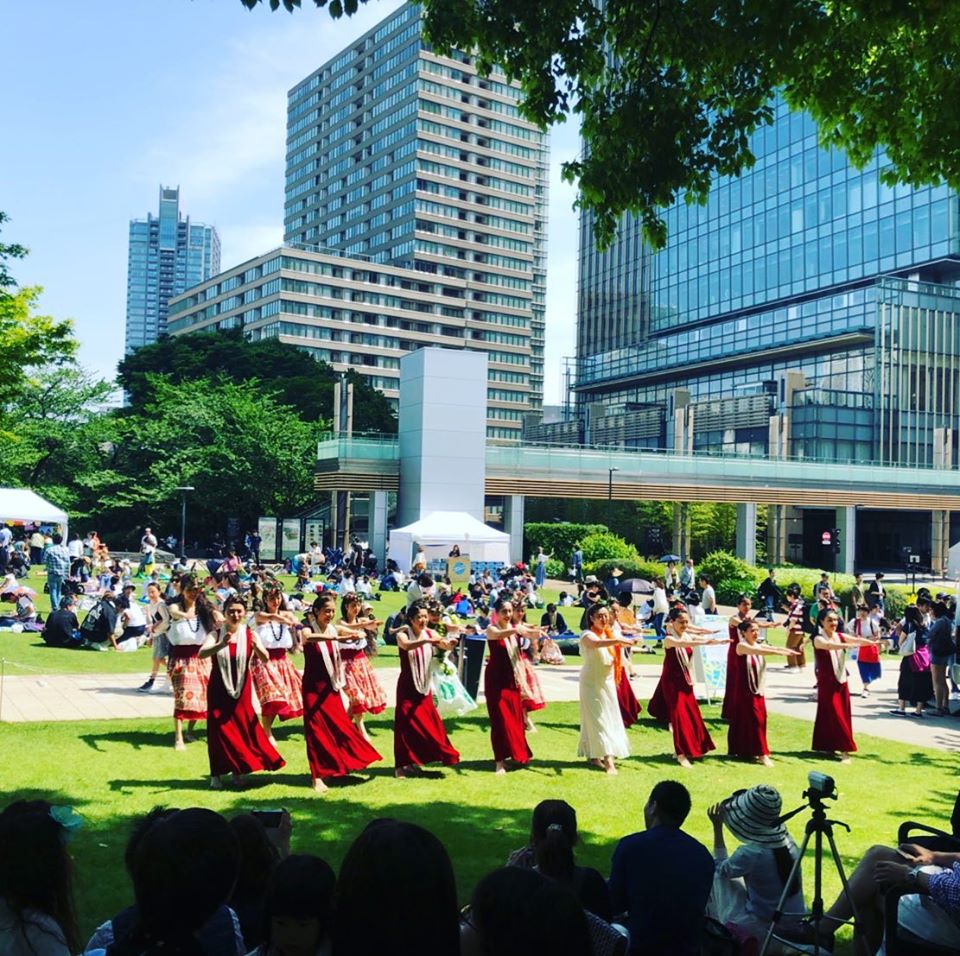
<point>920,660</point>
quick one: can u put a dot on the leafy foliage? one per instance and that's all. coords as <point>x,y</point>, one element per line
<point>11,250</point>
<point>556,538</point>
<point>668,92</point>
<point>631,567</point>
<point>285,371</point>
<point>606,544</point>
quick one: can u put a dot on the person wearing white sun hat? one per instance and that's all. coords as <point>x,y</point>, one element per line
<point>749,882</point>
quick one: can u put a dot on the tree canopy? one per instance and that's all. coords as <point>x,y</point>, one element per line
<point>285,372</point>
<point>668,91</point>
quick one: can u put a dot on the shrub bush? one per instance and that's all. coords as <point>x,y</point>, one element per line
<point>558,570</point>
<point>723,566</point>
<point>606,544</point>
<point>631,568</point>
<point>556,537</point>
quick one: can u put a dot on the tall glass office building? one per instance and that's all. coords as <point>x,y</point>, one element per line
<point>167,254</point>
<point>401,157</point>
<point>807,310</point>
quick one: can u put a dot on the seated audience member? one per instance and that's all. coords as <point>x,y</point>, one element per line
<point>749,883</point>
<point>163,920</point>
<point>36,882</point>
<point>517,912</point>
<point>62,629</point>
<point>553,621</point>
<point>553,835</point>
<point>298,908</point>
<point>929,911</point>
<point>101,622</point>
<point>661,878</point>
<point>258,859</point>
<point>419,915</point>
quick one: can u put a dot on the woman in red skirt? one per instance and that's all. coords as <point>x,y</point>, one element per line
<point>674,700</point>
<point>335,747</point>
<point>833,727</point>
<point>531,693</point>
<point>365,694</point>
<point>192,617</point>
<point>504,683</point>
<point>236,743</point>
<point>419,736</point>
<point>747,733</point>
<point>276,681</point>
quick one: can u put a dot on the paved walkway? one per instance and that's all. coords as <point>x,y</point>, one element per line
<point>61,697</point>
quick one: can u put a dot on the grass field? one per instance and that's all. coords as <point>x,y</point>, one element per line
<point>111,771</point>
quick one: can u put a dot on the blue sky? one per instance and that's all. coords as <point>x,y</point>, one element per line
<point>104,101</point>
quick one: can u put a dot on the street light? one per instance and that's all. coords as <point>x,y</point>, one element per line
<point>610,472</point>
<point>183,489</point>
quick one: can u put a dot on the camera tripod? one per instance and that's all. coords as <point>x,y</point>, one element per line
<point>818,826</point>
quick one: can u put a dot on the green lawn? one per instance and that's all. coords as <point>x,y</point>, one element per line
<point>111,771</point>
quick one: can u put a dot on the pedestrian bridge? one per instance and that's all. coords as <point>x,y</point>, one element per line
<point>372,463</point>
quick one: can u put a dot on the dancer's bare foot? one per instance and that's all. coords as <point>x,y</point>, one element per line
<point>216,783</point>
<point>499,768</point>
<point>844,757</point>
<point>765,760</point>
<point>319,786</point>
<point>682,760</point>
<point>179,745</point>
<point>597,762</point>
<point>189,738</point>
<point>529,725</point>
<point>610,767</point>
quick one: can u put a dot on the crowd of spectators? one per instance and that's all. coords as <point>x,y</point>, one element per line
<point>202,885</point>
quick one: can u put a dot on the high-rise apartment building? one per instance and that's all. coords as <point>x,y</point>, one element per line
<point>807,310</point>
<point>402,157</point>
<point>167,254</point>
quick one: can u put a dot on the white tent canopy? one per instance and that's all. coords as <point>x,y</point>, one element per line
<point>439,531</point>
<point>19,506</point>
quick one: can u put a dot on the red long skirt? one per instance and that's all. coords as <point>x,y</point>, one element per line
<point>690,735</point>
<point>733,675</point>
<point>236,743</point>
<point>504,707</point>
<point>419,736</point>
<point>833,727</point>
<point>747,733</point>
<point>334,745</point>
<point>627,700</point>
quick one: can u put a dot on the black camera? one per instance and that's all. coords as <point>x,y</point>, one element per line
<point>821,785</point>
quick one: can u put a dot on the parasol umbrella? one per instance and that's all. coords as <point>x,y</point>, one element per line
<point>636,586</point>
<point>667,558</point>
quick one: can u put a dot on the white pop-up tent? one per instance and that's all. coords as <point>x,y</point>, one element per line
<point>22,506</point>
<point>439,531</point>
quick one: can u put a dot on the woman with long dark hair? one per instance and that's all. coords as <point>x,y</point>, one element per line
<point>833,726</point>
<point>503,679</point>
<point>365,694</point>
<point>236,743</point>
<point>553,837</point>
<point>192,618</point>
<point>674,701</point>
<point>37,913</point>
<point>747,733</point>
<point>335,747</point>
<point>419,736</point>
<point>419,917</point>
<point>763,862</point>
<point>277,682</point>
<point>915,685</point>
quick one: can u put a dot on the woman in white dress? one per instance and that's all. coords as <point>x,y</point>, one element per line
<point>602,735</point>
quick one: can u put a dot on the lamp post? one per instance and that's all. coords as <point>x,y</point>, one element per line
<point>610,472</point>
<point>183,489</point>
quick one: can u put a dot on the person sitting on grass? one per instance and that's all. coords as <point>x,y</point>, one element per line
<point>183,872</point>
<point>62,629</point>
<point>298,908</point>
<point>37,913</point>
<point>661,878</point>
<point>219,935</point>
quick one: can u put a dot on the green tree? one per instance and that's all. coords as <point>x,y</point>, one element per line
<point>243,451</point>
<point>668,92</point>
<point>284,370</point>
